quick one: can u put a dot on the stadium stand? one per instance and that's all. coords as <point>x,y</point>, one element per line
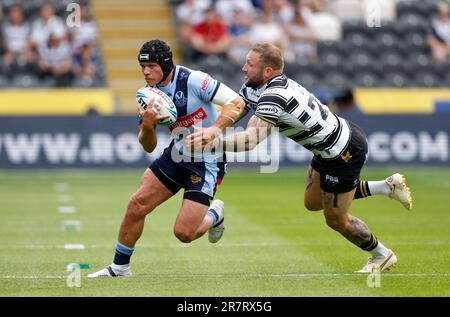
<point>359,44</point>
<point>123,30</point>
<point>38,49</point>
<point>348,44</point>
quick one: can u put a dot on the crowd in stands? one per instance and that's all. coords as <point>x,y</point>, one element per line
<point>326,43</point>
<point>228,28</point>
<point>39,48</point>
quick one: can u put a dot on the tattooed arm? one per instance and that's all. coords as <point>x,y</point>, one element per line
<point>257,130</point>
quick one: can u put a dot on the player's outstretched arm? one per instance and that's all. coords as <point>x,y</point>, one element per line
<point>231,112</point>
<point>233,109</point>
<point>257,131</point>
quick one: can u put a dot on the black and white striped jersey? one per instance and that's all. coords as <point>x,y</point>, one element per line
<point>299,115</point>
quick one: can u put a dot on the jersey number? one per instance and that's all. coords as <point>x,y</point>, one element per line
<point>315,102</point>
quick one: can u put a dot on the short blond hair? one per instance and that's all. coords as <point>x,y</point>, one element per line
<point>270,55</point>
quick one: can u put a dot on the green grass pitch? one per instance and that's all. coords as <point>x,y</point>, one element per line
<point>271,246</point>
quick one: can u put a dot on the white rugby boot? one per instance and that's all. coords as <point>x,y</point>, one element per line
<point>399,190</point>
<point>216,232</point>
<point>109,272</point>
<point>379,264</point>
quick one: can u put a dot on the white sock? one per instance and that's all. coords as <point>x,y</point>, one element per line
<point>378,188</point>
<point>121,268</point>
<point>380,251</point>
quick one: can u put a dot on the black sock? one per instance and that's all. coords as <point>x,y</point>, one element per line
<point>362,190</point>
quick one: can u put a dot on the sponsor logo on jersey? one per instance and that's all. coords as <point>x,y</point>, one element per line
<point>189,120</point>
<point>180,100</point>
<point>195,179</point>
<point>205,82</point>
<point>267,110</point>
<point>346,157</point>
<point>332,180</point>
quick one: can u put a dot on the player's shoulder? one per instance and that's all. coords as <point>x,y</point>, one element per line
<point>280,82</point>
<point>277,86</point>
<point>196,75</point>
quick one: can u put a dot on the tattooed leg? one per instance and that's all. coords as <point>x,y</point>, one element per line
<point>336,214</point>
<point>357,232</point>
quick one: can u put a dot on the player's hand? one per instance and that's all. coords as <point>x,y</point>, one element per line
<point>150,117</point>
<point>203,137</point>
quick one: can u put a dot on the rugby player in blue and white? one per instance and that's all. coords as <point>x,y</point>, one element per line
<point>195,95</point>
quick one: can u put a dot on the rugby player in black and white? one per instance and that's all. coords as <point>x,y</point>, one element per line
<point>340,149</point>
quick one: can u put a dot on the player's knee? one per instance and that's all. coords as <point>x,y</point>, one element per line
<point>312,205</point>
<point>183,235</point>
<point>137,206</point>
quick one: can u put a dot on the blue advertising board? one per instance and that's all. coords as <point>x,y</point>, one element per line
<point>111,142</point>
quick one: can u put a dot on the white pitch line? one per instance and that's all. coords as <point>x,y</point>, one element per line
<point>61,187</point>
<point>223,245</point>
<point>245,275</point>
<point>76,246</point>
<point>67,209</point>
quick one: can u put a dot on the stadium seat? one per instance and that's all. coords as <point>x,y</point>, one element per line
<point>308,80</point>
<point>326,27</point>
<point>405,7</point>
<point>415,23</point>
<point>337,80</point>
<point>446,80</point>
<point>419,60</point>
<point>394,79</point>
<point>415,42</point>
<point>390,59</point>
<point>4,82</point>
<point>386,39</point>
<point>25,81</point>
<point>366,79</point>
<point>427,79</point>
<point>425,9</point>
<point>324,47</point>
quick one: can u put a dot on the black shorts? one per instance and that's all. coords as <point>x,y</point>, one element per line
<point>341,174</point>
<point>199,179</point>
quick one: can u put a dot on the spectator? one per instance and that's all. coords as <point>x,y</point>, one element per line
<point>211,36</point>
<point>266,30</point>
<point>84,34</point>
<point>84,66</point>
<point>55,60</point>
<point>226,9</point>
<point>190,13</point>
<point>282,11</point>
<point>302,39</point>
<point>16,40</point>
<point>308,7</point>
<point>239,30</point>
<point>439,35</point>
<point>47,24</point>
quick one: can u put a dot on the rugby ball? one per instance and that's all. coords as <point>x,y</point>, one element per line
<point>167,107</point>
